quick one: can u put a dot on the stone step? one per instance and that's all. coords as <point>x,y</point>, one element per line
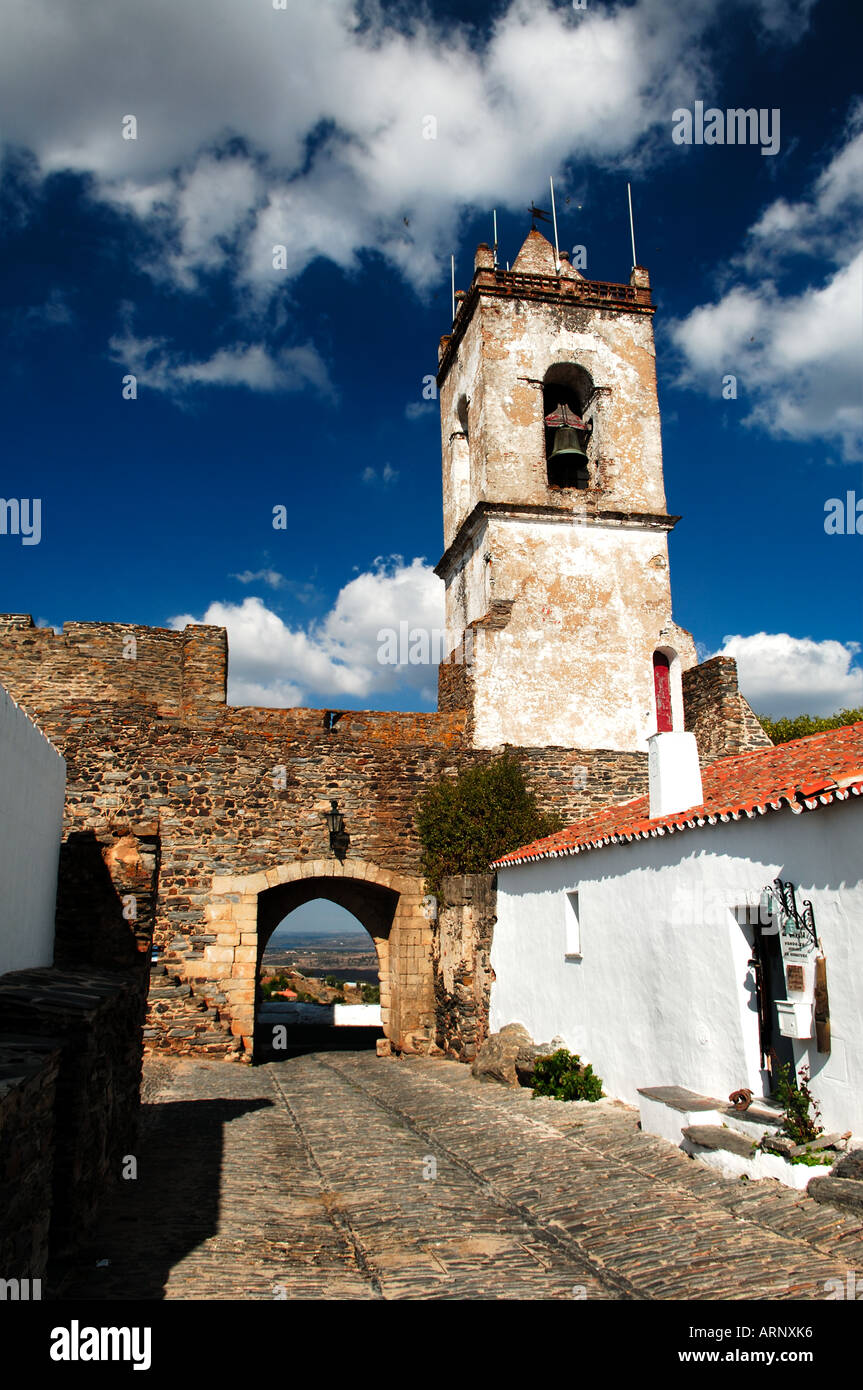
<point>762,1117</point>
<point>719,1137</point>
<point>668,1110</point>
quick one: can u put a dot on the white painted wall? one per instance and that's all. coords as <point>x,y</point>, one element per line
<point>661,993</point>
<point>32,790</point>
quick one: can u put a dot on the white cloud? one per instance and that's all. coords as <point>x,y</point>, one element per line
<point>250,365</point>
<point>796,356</point>
<point>275,665</point>
<point>55,312</point>
<point>272,578</point>
<point>827,223</point>
<point>783,675</point>
<point>418,410</point>
<point>386,477</point>
<point>319,115</point>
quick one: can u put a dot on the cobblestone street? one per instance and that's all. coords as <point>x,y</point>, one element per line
<point>344,1176</point>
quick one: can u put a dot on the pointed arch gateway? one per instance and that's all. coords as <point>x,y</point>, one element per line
<point>245,910</point>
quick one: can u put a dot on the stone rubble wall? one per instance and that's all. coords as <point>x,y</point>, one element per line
<point>28,1083</point>
<point>717,714</point>
<point>462,955</point>
<point>82,1033</point>
<point>176,672</point>
<point>172,794</point>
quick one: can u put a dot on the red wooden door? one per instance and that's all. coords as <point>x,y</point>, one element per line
<point>662,687</point>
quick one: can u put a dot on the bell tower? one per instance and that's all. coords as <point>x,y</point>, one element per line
<point>555,523</point>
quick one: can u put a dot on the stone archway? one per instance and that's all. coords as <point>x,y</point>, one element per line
<point>245,909</point>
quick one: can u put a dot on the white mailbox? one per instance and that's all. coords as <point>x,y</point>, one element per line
<point>795,1018</point>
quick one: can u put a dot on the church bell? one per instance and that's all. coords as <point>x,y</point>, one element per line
<point>568,452</point>
<point>567,462</point>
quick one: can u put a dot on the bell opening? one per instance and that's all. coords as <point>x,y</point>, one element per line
<point>566,436</point>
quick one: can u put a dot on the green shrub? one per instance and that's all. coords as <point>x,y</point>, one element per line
<point>797,1101</point>
<point>784,730</point>
<point>486,811</point>
<point>371,994</point>
<point>563,1077</point>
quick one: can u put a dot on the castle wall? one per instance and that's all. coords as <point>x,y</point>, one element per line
<point>175,672</point>
<point>168,811</point>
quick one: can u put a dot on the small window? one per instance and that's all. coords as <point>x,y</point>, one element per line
<point>572,927</point>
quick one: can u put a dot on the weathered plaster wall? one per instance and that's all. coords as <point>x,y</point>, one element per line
<point>574,663</point>
<point>510,331</point>
<point>585,571</point>
<point>32,788</point>
<point>661,993</point>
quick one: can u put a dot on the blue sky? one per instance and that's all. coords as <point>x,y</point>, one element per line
<point>302,387</point>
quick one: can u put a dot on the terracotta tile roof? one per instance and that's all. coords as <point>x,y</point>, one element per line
<point>801,775</point>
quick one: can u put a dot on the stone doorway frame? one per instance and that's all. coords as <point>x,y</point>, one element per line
<point>404,952</point>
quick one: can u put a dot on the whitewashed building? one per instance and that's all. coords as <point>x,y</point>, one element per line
<point>32,791</point>
<point>657,942</point>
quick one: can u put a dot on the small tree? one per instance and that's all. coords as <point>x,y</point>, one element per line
<point>784,730</point>
<point>563,1077</point>
<point>486,811</point>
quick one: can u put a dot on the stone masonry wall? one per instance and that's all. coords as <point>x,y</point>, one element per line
<point>189,810</point>
<point>463,973</point>
<point>28,1081</point>
<point>88,1025</point>
<point>192,809</point>
<point>176,672</point>
<point>716,712</point>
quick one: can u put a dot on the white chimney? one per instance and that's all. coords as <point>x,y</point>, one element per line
<point>674,773</point>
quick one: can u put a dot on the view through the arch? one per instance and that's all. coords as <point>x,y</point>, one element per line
<point>319,970</point>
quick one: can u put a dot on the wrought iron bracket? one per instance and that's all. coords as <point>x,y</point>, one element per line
<point>796,926</point>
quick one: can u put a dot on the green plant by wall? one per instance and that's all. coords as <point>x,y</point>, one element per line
<point>371,994</point>
<point>467,822</point>
<point>784,730</point>
<point>563,1077</point>
<point>800,1121</point>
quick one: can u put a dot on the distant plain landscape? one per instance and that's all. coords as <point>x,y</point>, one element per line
<point>346,956</point>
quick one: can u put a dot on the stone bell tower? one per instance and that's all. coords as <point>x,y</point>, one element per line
<point>555,524</point>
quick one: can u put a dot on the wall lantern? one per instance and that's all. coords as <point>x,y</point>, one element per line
<point>339,839</point>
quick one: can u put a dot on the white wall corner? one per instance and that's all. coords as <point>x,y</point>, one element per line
<point>674,773</point>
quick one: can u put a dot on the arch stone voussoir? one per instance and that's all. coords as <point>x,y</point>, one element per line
<point>389,903</point>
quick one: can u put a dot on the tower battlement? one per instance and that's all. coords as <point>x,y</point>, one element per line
<point>182,674</point>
